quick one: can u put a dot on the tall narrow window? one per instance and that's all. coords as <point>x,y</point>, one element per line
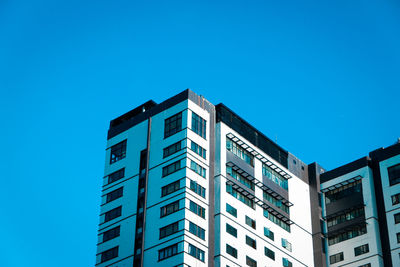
<point>173,125</point>
<point>394,174</point>
<point>118,152</point>
<point>199,125</point>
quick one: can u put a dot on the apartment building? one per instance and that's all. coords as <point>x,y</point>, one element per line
<point>189,183</point>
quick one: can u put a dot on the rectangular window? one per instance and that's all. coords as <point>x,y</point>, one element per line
<point>231,210</point>
<point>250,222</point>
<point>167,252</point>
<point>111,234</point>
<point>396,218</point>
<point>365,265</point>
<point>169,229</point>
<point>196,252</point>
<point>115,176</point>
<point>198,189</point>
<point>348,216</point>
<point>171,168</point>
<point>231,230</point>
<point>286,244</point>
<point>250,262</point>
<point>243,180</point>
<point>269,253</point>
<point>197,230</point>
<point>198,149</point>
<point>197,169</point>
<point>231,251</point>
<point>197,209</point>
<point>394,174</point>
<point>236,194</point>
<point>396,199</point>
<point>274,176</point>
<point>356,231</point>
<point>268,233</point>
<point>276,220</point>
<point>172,125</point>
<point>343,191</point>
<point>251,242</point>
<point>170,188</point>
<point>169,150</point>
<point>336,258</point>
<point>112,214</point>
<point>109,254</point>
<point>286,262</point>
<point>118,152</point>
<point>398,237</point>
<point>169,209</point>
<point>113,195</point>
<point>361,250</point>
<point>239,151</point>
<point>275,201</point>
<point>199,125</point>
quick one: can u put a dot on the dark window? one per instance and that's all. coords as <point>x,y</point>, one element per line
<point>118,152</point>
<point>245,181</point>
<point>251,242</point>
<point>197,230</point>
<point>268,233</point>
<point>170,188</point>
<point>394,174</point>
<point>286,262</point>
<point>116,175</point>
<point>171,168</point>
<point>167,252</point>
<point>198,149</point>
<point>169,229</point>
<point>113,195</point>
<point>397,218</point>
<point>356,231</point>
<point>361,249</point>
<point>231,251</point>
<point>250,262</point>
<point>170,208</point>
<point>198,169</point>
<point>269,253</point>
<point>112,214</point>
<point>336,258</point>
<point>112,233</point>
<point>173,125</point>
<point>250,222</point>
<point>196,252</point>
<point>348,216</point>
<point>343,191</point>
<point>109,254</point>
<point>231,210</point>
<point>398,237</point>
<point>198,189</point>
<point>169,150</point>
<point>231,230</point>
<point>396,199</point>
<point>365,265</point>
<point>197,209</point>
<point>199,125</point>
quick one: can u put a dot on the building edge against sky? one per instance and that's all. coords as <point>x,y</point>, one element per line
<point>188,183</point>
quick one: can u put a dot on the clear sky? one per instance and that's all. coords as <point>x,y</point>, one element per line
<point>320,77</point>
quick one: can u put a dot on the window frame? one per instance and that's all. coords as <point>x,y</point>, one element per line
<point>119,147</point>
<point>174,120</point>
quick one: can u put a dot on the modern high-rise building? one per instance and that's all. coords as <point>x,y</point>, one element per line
<point>188,183</point>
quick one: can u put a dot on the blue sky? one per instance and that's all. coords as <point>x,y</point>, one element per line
<point>320,78</point>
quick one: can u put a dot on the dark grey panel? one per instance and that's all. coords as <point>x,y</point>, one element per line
<point>251,134</point>
<point>342,170</point>
<point>341,227</point>
<point>297,167</point>
<point>273,186</point>
<point>346,203</point>
<point>230,157</point>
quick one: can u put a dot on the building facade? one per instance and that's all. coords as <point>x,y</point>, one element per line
<point>189,183</point>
